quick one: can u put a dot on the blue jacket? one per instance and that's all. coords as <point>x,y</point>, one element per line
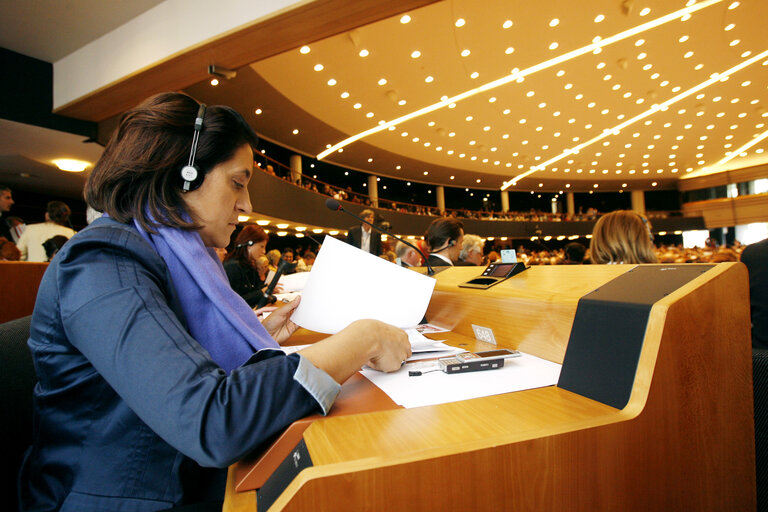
<point>126,397</point>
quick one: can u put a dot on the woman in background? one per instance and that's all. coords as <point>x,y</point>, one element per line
<point>153,375</point>
<point>240,264</point>
<point>622,236</point>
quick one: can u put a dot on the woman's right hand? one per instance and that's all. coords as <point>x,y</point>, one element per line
<point>379,345</point>
<point>389,344</point>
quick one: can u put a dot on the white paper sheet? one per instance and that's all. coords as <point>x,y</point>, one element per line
<point>293,282</point>
<point>347,284</point>
<point>518,373</point>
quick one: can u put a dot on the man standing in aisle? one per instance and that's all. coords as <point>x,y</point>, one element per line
<point>363,236</point>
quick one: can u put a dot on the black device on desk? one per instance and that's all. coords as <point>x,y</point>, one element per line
<point>494,274</point>
<point>477,361</point>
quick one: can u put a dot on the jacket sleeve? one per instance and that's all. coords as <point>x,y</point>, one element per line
<point>115,311</point>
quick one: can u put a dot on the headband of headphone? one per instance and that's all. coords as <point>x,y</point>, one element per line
<point>189,173</point>
<point>244,244</point>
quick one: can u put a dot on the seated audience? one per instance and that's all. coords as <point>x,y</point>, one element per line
<point>622,236</point>
<point>240,264</point>
<point>472,250</point>
<point>56,222</point>
<point>153,374</point>
<point>574,253</point>
<point>409,257</point>
<point>52,246</point>
<point>305,262</point>
<point>8,250</point>
<point>274,258</point>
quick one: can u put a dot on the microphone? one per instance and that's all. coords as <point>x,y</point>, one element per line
<point>333,204</point>
<point>267,297</point>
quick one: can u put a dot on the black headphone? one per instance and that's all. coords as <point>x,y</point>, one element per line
<point>189,173</point>
<point>244,244</point>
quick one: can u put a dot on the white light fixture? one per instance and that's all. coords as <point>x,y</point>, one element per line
<point>71,165</point>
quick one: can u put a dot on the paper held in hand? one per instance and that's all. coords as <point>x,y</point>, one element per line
<point>347,284</point>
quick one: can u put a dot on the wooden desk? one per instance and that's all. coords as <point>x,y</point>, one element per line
<point>20,280</point>
<point>684,441</point>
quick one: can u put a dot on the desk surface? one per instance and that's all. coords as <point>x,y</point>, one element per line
<point>681,443</point>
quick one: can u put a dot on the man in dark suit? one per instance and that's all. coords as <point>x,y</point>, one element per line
<point>6,201</point>
<point>755,257</point>
<point>444,238</point>
<point>364,237</point>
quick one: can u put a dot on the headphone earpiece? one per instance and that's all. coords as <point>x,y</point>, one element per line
<point>244,244</point>
<point>451,243</point>
<point>189,173</point>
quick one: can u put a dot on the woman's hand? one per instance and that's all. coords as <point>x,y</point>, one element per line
<point>379,345</point>
<point>279,324</point>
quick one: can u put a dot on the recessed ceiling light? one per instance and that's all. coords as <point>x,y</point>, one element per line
<point>304,50</point>
<point>332,82</point>
<point>460,22</point>
<point>258,111</point>
<point>507,24</point>
<point>344,95</point>
<point>429,79</point>
<point>71,165</point>
<point>474,75</point>
<point>645,11</point>
<point>509,50</point>
<point>405,19</point>
<point>465,53</point>
<point>364,53</point>
<point>599,18</point>
<point>553,46</point>
<point>318,67</point>
<point>415,54</point>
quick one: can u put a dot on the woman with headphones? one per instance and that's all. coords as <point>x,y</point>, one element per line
<point>240,264</point>
<point>152,371</point>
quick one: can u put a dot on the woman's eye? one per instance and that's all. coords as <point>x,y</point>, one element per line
<point>238,184</point>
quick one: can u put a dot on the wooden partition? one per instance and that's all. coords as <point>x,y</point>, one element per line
<point>684,441</point>
<point>19,281</point>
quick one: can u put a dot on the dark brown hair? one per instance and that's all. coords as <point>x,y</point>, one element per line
<point>250,234</point>
<point>139,174</point>
<point>440,231</point>
<point>58,212</point>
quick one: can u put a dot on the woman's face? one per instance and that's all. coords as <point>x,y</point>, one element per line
<point>222,197</point>
<point>257,250</point>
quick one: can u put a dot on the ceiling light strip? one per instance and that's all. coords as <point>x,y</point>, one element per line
<point>733,154</point>
<point>523,73</point>
<point>655,108</point>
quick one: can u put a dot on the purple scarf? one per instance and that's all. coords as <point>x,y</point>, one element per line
<point>217,317</point>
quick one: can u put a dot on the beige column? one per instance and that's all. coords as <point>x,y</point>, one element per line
<point>440,198</point>
<point>504,201</point>
<point>373,190</point>
<point>569,204</point>
<point>296,168</point>
<point>638,201</point>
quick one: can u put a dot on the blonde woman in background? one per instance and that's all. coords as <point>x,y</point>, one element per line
<point>622,236</point>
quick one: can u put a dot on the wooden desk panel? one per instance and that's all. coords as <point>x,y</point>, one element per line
<point>684,441</point>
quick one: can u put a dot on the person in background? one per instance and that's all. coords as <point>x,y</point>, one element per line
<point>221,253</point>
<point>8,250</point>
<point>574,253</point>
<point>16,226</point>
<point>240,264</point>
<point>262,267</point>
<point>622,236</point>
<point>444,238</point>
<point>153,374</point>
<point>53,245</point>
<point>305,262</point>
<point>6,201</point>
<point>288,256</point>
<point>274,258</point>
<point>472,250</point>
<point>363,236</point>
<point>56,223</point>
<point>409,257</point>
<point>755,257</point>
